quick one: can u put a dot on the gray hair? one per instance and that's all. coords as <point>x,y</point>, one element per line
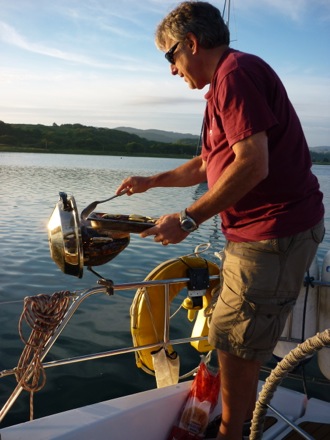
<point>200,18</point>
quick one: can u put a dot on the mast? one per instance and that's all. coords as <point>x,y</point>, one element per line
<point>226,12</point>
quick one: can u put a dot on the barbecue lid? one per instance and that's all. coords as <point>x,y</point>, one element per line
<point>64,235</point>
<point>76,242</point>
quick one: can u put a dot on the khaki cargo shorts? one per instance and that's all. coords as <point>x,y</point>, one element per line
<point>261,281</point>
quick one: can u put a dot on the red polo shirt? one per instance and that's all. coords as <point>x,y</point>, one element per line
<point>246,97</point>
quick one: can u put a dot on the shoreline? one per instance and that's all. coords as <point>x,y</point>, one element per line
<point>4,149</point>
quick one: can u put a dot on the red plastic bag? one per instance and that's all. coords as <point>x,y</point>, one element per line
<point>201,400</point>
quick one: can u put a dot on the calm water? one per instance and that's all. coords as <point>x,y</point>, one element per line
<point>29,187</point>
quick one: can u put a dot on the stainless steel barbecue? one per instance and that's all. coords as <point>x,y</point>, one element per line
<point>93,241</point>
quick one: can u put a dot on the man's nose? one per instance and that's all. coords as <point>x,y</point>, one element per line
<point>173,69</point>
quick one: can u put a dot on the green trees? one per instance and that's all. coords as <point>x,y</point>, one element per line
<point>77,138</point>
<point>81,139</point>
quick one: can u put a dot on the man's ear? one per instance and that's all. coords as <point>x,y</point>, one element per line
<point>192,42</point>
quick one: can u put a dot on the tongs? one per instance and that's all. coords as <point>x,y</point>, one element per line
<point>90,208</point>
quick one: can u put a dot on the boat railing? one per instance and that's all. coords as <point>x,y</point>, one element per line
<point>77,298</point>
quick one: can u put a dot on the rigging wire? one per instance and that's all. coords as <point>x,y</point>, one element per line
<point>308,282</point>
<point>18,301</point>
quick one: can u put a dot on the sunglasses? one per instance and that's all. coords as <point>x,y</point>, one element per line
<point>169,55</point>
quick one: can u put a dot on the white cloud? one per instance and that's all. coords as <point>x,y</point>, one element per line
<point>94,62</point>
<point>310,97</point>
<point>9,35</point>
<point>295,10</point>
<point>127,62</point>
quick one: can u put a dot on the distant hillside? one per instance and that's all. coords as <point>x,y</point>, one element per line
<point>124,141</point>
<point>323,149</point>
<point>320,155</point>
<point>160,135</point>
<point>81,139</point>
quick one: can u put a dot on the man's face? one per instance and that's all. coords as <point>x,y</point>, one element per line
<point>183,62</point>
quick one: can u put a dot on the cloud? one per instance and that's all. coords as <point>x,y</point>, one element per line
<point>9,35</point>
<point>295,10</point>
<point>163,101</point>
<point>128,63</point>
<point>312,106</point>
<point>94,62</point>
<point>97,15</point>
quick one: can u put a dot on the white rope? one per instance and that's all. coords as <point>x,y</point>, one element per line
<point>42,314</point>
<point>287,364</point>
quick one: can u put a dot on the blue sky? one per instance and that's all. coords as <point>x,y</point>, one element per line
<point>94,62</point>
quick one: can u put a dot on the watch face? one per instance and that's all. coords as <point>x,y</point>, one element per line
<point>188,225</point>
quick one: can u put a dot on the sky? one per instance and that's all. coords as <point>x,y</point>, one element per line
<point>94,62</point>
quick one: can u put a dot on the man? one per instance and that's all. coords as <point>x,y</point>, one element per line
<point>257,164</point>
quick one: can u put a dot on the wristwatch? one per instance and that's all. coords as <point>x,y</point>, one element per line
<point>187,223</point>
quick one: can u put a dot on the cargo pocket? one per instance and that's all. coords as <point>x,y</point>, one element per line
<point>262,331</point>
<point>318,232</point>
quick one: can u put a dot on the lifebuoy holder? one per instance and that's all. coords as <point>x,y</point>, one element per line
<point>148,307</point>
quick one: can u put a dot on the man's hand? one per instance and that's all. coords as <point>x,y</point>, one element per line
<point>134,184</point>
<point>167,230</point>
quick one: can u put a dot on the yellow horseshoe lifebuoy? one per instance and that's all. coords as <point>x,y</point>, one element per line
<point>148,306</point>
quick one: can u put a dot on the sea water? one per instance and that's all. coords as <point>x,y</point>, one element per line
<point>29,187</point>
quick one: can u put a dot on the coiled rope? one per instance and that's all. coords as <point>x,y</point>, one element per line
<point>42,313</point>
<point>287,364</point>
